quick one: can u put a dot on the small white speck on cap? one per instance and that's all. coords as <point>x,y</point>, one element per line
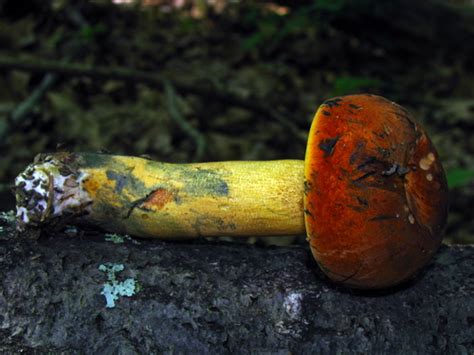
<point>426,162</point>
<point>429,177</point>
<point>411,218</point>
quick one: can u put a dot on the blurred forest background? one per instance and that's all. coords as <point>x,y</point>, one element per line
<point>184,81</point>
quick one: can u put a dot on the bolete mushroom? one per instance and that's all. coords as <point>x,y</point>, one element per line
<point>371,194</point>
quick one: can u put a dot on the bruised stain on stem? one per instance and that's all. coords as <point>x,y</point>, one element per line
<point>158,199</point>
<point>197,181</point>
<point>206,183</point>
<point>120,180</point>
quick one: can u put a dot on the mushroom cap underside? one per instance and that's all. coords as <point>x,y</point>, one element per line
<point>375,192</point>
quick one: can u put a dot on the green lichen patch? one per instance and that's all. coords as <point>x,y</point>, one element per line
<point>119,238</point>
<point>7,225</point>
<point>113,289</point>
<point>8,216</point>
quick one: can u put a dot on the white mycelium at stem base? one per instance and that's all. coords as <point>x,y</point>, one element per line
<point>46,190</point>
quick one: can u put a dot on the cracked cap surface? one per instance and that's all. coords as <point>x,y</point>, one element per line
<point>375,192</point>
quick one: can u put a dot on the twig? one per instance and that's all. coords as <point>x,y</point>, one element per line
<point>22,110</point>
<point>183,123</point>
<point>26,106</point>
<point>153,80</point>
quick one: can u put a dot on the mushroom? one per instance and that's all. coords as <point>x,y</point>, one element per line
<point>371,194</point>
<point>376,193</point>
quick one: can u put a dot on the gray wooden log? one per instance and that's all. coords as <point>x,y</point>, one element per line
<point>205,297</point>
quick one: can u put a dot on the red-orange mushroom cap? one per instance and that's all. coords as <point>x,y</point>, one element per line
<point>375,192</point>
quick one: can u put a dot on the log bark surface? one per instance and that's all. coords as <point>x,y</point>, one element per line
<point>205,297</point>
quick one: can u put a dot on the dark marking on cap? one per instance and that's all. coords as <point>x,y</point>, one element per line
<point>357,208</point>
<point>395,168</point>
<point>392,170</point>
<point>308,213</point>
<point>328,145</point>
<point>364,176</point>
<point>362,201</point>
<point>369,160</point>
<point>307,187</point>
<point>326,113</point>
<point>402,170</point>
<point>381,135</point>
<point>333,102</point>
<point>357,153</point>
<point>355,107</point>
<point>403,115</point>
<point>382,217</point>
<point>374,165</point>
<point>362,206</point>
<point>359,184</point>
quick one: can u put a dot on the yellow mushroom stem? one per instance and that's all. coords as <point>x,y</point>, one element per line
<point>145,198</point>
